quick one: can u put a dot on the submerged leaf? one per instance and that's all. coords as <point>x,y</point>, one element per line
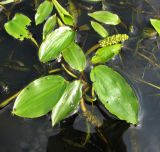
<point>55,43</point>
<point>156,24</point>
<point>39,97</point>
<point>99,29</point>
<point>115,93</point>
<point>43,11</point>
<point>49,25</point>
<point>65,16</point>
<point>17,27</point>
<point>68,103</point>
<point>75,57</point>
<point>105,17</point>
<point>74,11</point>
<point>106,53</point>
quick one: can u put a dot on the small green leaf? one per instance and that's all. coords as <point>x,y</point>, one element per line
<point>65,16</point>
<point>17,27</point>
<point>39,97</point>
<point>105,17</point>
<point>106,53</point>
<point>43,11</point>
<point>115,93</point>
<point>75,57</point>
<point>69,102</point>
<point>99,29</point>
<point>49,25</point>
<point>55,43</point>
<point>156,24</point>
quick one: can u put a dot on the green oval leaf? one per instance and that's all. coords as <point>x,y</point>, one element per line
<point>156,24</point>
<point>49,25</point>
<point>65,16</point>
<point>55,42</point>
<point>68,103</point>
<point>106,53</point>
<point>115,93</point>
<point>75,57</point>
<point>17,27</point>
<point>105,17</point>
<point>39,97</point>
<point>43,11</point>
<point>99,29</point>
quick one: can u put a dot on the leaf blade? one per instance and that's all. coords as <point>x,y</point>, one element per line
<point>49,25</point>
<point>65,16</point>
<point>43,11</point>
<point>99,29</point>
<point>106,53</point>
<point>55,43</point>
<point>39,97</point>
<point>17,27</point>
<point>68,103</point>
<point>115,93</point>
<point>105,17</point>
<point>75,57</point>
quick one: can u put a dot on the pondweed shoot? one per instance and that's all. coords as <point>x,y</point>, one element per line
<point>54,93</point>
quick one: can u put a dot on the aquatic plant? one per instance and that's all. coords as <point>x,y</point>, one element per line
<point>53,93</point>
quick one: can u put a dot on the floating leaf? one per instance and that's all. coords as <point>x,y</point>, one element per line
<point>39,97</point>
<point>105,17</point>
<point>156,24</point>
<point>65,16</point>
<point>75,57</point>
<point>55,42</point>
<point>43,11</point>
<point>99,29</point>
<point>17,27</point>
<point>115,93</point>
<point>68,103</point>
<point>106,53</point>
<point>49,25</point>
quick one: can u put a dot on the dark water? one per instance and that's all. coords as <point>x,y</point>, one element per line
<point>37,135</point>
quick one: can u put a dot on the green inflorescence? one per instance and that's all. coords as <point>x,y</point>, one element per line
<point>114,39</point>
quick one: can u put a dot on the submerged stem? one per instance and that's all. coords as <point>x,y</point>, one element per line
<point>7,101</point>
<point>89,116</point>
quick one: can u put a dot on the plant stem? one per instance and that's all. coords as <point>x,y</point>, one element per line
<point>93,48</point>
<point>69,72</point>
<point>54,70</point>
<point>83,106</point>
<point>7,101</point>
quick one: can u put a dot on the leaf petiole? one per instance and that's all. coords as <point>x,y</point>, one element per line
<point>92,49</point>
